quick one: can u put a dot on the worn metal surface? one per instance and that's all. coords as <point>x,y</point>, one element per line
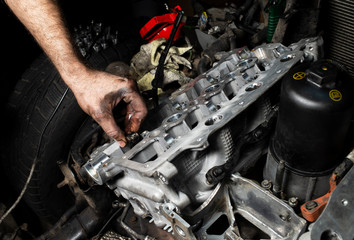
<point>336,221</point>
<point>264,210</point>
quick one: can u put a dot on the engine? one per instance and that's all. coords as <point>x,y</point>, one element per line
<point>242,150</point>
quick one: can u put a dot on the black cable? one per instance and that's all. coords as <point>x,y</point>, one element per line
<point>157,82</point>
<point>34,161</point>
<point>99,234</point>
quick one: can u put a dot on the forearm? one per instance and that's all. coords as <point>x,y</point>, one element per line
<point>96,92</point>
<point>44,21</point>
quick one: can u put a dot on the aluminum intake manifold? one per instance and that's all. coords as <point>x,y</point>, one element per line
<point>164,174</point>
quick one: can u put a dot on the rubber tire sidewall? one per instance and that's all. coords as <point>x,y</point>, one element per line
<point>32,112</point>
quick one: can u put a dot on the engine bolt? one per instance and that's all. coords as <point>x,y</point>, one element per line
<point>163,179</point>
<point>266,184</point>
<point>285,218</point>
<point>180,231</point>
<point>293,201</point>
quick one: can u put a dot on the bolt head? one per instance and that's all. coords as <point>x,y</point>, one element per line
<point>267,184</point>
<point>293,201</point>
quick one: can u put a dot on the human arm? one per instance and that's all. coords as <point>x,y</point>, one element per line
<point>96,92</point>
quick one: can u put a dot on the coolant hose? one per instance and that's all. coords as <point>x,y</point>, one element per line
<point>208,56</point>
<point>276,9</point>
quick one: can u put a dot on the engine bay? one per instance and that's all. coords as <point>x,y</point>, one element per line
<point>218,156</point>
<point>247,136</point>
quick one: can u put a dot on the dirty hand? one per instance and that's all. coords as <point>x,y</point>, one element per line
<point>96,92</point>
<point>99,92</point>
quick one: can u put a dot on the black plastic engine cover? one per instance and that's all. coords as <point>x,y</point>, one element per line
<point>316,108</point>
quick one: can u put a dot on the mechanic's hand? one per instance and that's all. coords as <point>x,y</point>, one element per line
<point>99,92</point>
<point>96,92</point>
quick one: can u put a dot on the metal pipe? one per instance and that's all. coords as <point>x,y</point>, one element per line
<point>279,178</point>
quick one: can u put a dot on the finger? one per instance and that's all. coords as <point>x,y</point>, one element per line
<point>136,113</point>
<point>133,122</point>
<point>109,125</point>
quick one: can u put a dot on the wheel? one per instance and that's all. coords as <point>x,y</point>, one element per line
<point>38,130</point>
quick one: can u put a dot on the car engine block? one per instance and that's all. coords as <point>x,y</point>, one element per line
<point>186,174</point>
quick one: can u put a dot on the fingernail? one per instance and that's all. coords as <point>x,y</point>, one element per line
<point>122,143</point>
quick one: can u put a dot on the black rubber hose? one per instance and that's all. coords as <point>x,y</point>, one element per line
<point>208,56</point>
<point>66,216</point>
<point>82,226</point>
<point>157,82</point>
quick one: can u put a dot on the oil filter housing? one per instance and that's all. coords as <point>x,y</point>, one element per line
<point>315,112</point>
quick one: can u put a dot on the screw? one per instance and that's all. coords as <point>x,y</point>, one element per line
<point>293,201</point>
<point>133,138</point>
<point>345,202</point>
<point>285,217</point>
<point>180,231</point>
<point>115,204</point>
<point>266,184</point>
<point>162,178</point>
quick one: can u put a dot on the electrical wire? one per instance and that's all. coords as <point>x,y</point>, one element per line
<point>35,160</point>
<point>99,234</point>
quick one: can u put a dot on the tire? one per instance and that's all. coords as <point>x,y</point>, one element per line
<point>32,112</point>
